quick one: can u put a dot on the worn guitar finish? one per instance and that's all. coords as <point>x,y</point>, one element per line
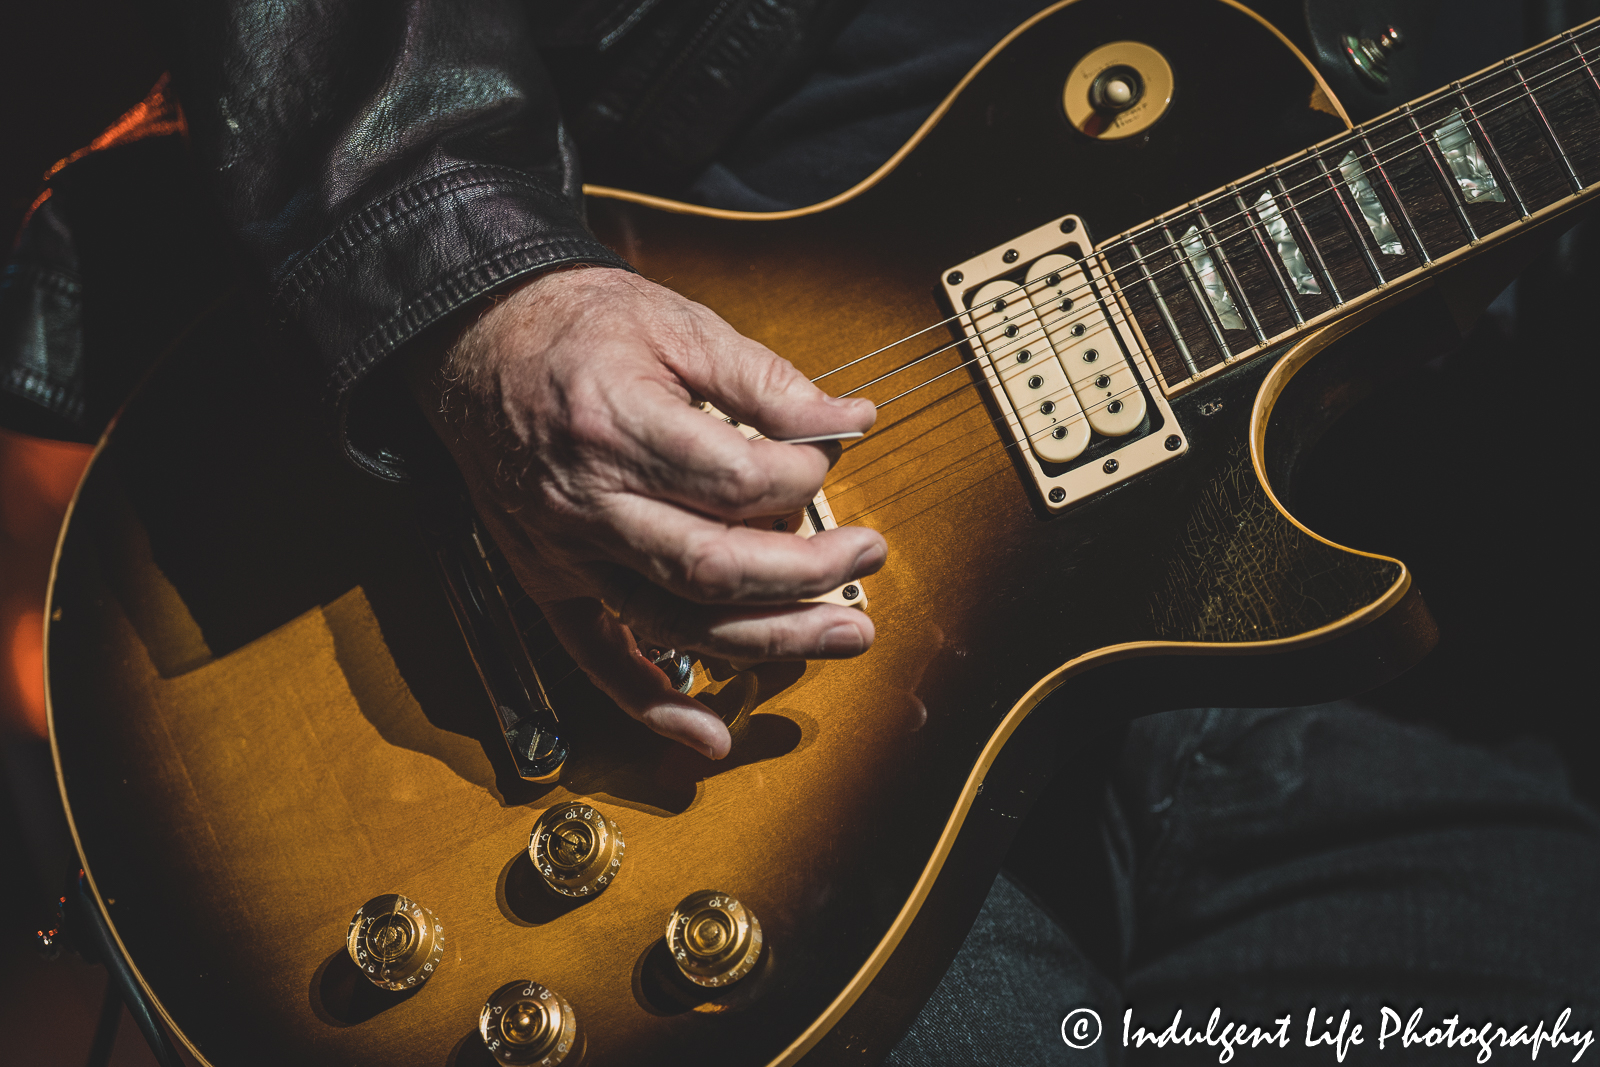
<point>265,717</point>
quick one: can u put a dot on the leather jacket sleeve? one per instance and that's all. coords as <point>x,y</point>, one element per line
<point>383,164</point>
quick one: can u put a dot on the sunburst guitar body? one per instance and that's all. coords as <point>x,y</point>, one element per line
<point>265,716</point>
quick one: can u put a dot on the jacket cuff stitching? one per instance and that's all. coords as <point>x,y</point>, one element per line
<point>351,234</point>
<point>428,307</point>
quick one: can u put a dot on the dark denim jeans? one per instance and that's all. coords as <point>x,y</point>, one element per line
<point>1275,863</point>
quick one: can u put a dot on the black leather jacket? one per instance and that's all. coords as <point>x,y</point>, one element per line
<point>382,165</point>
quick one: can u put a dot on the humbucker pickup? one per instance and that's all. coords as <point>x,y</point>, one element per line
<point>1053,343</point>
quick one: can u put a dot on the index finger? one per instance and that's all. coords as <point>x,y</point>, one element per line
<point>756,385</point>
<point>685,456</point>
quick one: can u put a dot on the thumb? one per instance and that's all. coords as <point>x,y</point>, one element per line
<point>605,650</point>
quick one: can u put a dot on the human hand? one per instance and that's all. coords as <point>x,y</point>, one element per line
<point>569,408</point>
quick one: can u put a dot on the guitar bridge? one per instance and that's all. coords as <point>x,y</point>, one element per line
<point>1053,342</point>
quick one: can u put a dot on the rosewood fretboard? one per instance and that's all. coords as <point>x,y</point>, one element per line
<point>1229,274</point>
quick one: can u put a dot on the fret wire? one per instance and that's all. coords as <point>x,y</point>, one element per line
<point>1583,57</point>
<point>1295,215</point>
<point>1198,291</point>
<point>1451,193</point>
<point>1210,237</point>
<point>1494,153</point>
<point>1433,98</point>
<point>1549,131</point>
<point>1305,231</point>
<point>1350,219</point>
<point>1274,171</point>
<point>1400,205</point>
<point>1267,253</point>
<point>1163,311</point>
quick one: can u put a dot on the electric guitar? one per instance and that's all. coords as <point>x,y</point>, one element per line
<point>300,817</point>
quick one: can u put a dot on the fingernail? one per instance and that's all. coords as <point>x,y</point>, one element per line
<point>870,559</point>
<point>843,640</point>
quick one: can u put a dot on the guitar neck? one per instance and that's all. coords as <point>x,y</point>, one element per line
<point>1332,227</point>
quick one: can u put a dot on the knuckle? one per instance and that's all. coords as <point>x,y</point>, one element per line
<point>591,423</point>
<point>685,326</point>
<point>777,376</point>
<point>780,637</point>
<point>709,570</point>
<point>743,482</point>
<point>779,640</point>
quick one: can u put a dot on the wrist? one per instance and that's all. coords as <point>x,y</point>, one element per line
<point>459,350</point>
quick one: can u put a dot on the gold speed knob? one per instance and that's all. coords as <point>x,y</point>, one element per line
<point>396,942</point>
<point>576,849</point>
<point>526,1023</point>
<point>714,940</point>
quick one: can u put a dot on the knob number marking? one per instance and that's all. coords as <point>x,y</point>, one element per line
<point>714,939</point>
<point>524,1023</point>
<point>576,849</point>
<point>395,942</point>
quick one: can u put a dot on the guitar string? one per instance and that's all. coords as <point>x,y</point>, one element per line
<point>1554,75</point>
<point>1020,338</point>
<point>1372,155</point>
<point>1002,445</point>
<point>1087,285</point>
<point>1169,248</point>
<point>1081,415</point>
<point>1567,68</point>
<point>975,456</point>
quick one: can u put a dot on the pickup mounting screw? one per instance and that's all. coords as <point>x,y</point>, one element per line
<point>851,592</point>
<point>1173,442</point>
<point>954,277</point>
<point>1110,466</point>
<point>1068,225</point>
<point>1010,256</point>
<point>1057,495</point>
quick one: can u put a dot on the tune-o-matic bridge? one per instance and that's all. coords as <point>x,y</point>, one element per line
<point>1082,405</point>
